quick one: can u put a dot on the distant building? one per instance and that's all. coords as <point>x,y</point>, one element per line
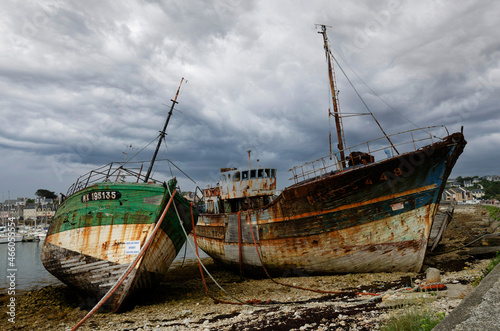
<point>492,178</point>
<point>477,193</point>
<point>44,200</point>
<point>10,209</point>
<point>468,183</point>
<point>20,201</point>
<point>4,212</point>
<point>38,212</point>
<point>458,194</point>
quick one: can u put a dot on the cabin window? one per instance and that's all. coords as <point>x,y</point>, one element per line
<point>223,178</point>
<point>244,175</point>
<point>253,173</point>
<point>236,176</point>
<point>261,173</point>
<point>273,173</point>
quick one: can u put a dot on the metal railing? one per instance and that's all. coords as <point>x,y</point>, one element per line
<point>111,172</point>
<point>379,148</point>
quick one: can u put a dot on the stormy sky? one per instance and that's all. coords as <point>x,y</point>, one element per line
<point>84,83</point>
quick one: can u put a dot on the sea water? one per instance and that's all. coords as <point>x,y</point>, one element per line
<point>30,273</point>
<point>26,267</point>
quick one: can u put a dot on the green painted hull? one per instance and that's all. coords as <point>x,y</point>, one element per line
<point>91,241</point>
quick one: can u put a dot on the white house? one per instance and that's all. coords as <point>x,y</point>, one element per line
<point>477,193</point>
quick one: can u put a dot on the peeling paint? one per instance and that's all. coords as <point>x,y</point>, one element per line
<point>371,218</point>
<point>85,245</point>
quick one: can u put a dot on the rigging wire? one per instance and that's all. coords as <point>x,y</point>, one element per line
<point>378,96</point>
<point>363,101</point>
<point>163,152</point>
<point>197,257</point>
<point>162,134</point>
<point>129,160</point>
<point>172,163</point>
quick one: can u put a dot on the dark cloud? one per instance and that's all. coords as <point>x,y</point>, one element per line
<point>84,84</point>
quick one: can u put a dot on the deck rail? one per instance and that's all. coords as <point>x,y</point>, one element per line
<point>111,172</point>
<point>379,148</point>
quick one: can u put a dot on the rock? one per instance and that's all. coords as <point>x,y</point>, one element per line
<point>493,227</point>
<point>433,275</point>
<point>403,299</point>
<point>455,291</point>
<point>385,297</point>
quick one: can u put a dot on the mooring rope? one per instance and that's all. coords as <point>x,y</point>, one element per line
<point>271,278</point>
<point>197,253</point>
<point>425,287</point>
<point>240,253</point>
<point>202,267</point>
<point>198,258</point>
<point>207,291</point>
<point>130,267</point>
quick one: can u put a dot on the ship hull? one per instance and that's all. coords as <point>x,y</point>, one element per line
<point>92,242</point>
<point>370,218</point>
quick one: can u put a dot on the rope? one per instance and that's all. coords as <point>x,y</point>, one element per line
<point>130,267</point>
<point>364,103</point>
<point>468,244</point>
<point>375,296</point>
<point>468,233</point>
<point>239,244</point>
<point>207,291</point>
<point>434,286</point>
<point>374,93</point>
<point>198,258</point>
<point>275,281</point>
<point>184,257</point>
<point>197,253</point>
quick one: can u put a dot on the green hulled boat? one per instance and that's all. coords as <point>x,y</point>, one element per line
<point>103,225</point>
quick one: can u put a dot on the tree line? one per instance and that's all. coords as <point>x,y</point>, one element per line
<point>491,189</point>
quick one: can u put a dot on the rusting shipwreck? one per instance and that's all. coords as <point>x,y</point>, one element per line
<point>114,234</point>
<point>348,212</point>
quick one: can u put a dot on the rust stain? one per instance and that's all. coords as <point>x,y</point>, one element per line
<point>359,204</point>
<point>357,222</point>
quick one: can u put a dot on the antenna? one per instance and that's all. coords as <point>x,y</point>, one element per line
<point>249,161</point>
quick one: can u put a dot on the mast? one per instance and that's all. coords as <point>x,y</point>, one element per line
<point>336,109</point>
<point>162,133</point>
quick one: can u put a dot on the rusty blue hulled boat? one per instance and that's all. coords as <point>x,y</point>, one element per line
<point>367,208</point>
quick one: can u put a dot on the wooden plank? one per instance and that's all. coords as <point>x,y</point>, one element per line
<point>71,261</point>
<point>72,265</point>
<point>441,221</point>
<point>89,265</point>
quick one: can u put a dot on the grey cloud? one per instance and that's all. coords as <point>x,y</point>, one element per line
<point>80,82</point>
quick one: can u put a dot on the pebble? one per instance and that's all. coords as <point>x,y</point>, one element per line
<point>202,313</point>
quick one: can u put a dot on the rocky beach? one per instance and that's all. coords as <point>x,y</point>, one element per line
<point>340,302</point>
